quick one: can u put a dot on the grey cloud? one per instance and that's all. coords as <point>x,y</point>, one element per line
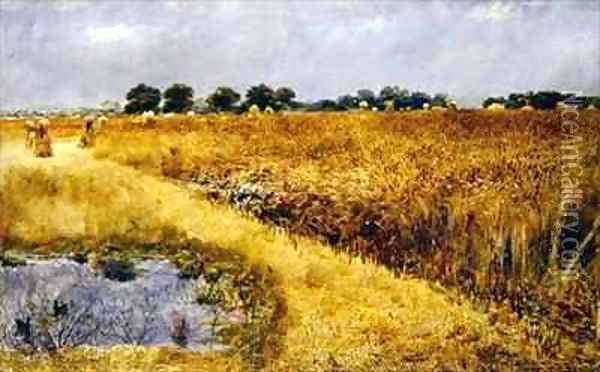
<point>68,53</point>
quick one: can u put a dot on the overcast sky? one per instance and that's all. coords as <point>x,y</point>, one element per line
<point>71,53</point>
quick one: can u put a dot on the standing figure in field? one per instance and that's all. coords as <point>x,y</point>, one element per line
<point>88,138</point>
<point>171,165</point>
<point>43,143</point>
<point>31,129</point>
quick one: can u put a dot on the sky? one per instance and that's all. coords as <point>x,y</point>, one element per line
<point>74,53</point>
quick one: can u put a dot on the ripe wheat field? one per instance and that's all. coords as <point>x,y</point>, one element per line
<point>423,240</point>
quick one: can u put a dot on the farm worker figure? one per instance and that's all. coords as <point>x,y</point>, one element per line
<point>171,164</point>
<point>88,138</point>
<point>42,142</point>
<point>31,129</point>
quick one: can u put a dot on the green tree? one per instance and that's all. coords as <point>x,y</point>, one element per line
<point>326,105</point>
<point>142,98</point>
<point>593,101</point>
<point>366,95</point>
<point>546,100</point>
<point>347,101</point>
<point>178,98</point>
<point>403,102</point>
<point>418,99</point>
<point>516,101</point>
<point>285,95</point>
<point>439,100</point>
<point>490,100</point>
<point>262,96</point>
<point>223,98</point>
<point>392,93</point>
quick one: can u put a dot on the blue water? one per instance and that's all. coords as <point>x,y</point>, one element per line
<point>50,304</point>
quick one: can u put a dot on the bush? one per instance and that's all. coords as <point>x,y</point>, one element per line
<point>121,271</point>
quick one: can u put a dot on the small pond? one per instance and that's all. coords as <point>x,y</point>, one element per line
<point>49,304</point>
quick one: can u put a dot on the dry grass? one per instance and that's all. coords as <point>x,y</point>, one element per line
<point>406,158</point>
<point>342,315</point>
<point>118,359</point>
<point>411,173</point>
<point>501,168</point>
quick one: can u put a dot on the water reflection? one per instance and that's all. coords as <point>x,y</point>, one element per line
<point>47,305</point>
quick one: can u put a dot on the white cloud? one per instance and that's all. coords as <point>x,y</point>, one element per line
<point>12,5</point>
<point>373,25</point>
<point>324,52</point>
<point>179,5</point>
<point>110,34</point>
<point>336,33</point>
<point>496,11</point>
<point>72,5</point>
<point>58,5</point>
<point>537,4</point>
<point>175,5</point>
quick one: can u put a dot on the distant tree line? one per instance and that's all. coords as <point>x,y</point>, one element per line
<point>179,98</point>
<point>542,100</point>
<point>390,98</point>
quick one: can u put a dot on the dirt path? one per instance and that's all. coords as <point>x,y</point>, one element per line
<point>65,152</point>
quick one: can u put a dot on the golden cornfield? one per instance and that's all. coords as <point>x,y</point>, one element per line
<point>468,200</point>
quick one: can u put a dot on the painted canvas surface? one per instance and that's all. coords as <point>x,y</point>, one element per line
<point>299,185</point>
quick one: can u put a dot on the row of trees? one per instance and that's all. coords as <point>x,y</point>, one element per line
<point>542,100</point>
<point>389,98</point>
<point>180,98</point>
